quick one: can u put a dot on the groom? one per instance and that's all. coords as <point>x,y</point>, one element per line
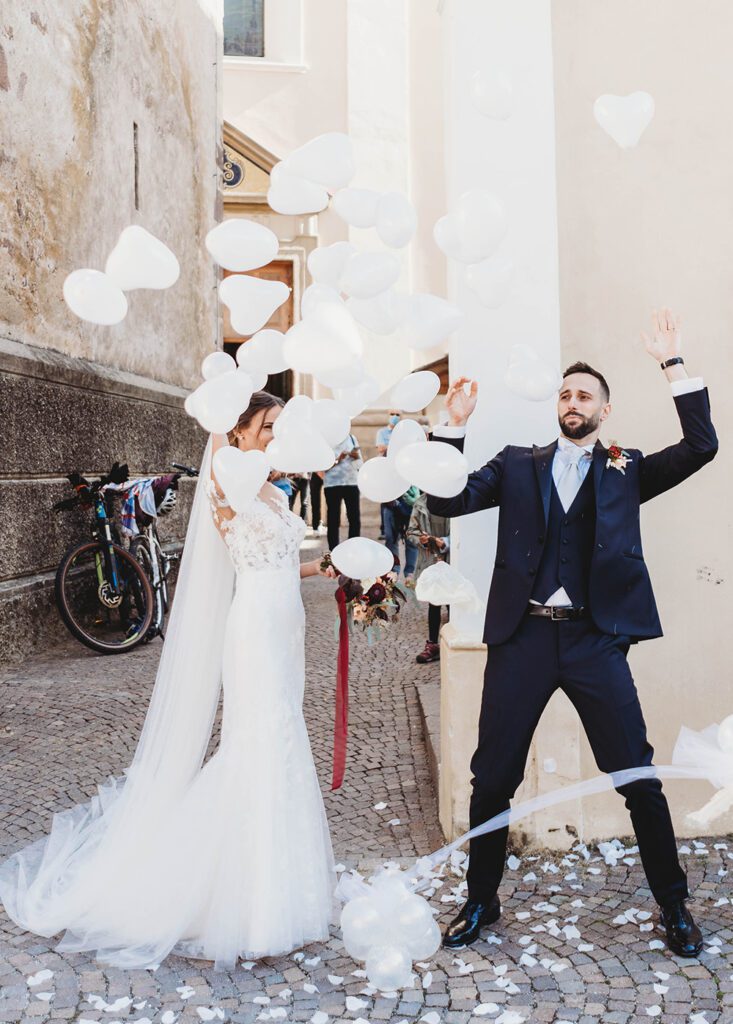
<point>570,592</point>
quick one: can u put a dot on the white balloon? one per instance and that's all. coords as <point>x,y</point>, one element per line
<point>328,339</point>
<point>403,433</point>
<point>326,263</point>
<point>251,300</point>
<point>383,314</point>
<point>241,475</point>
<point>264,351</point>
<point>472,231</point>
<point>437,468</point>
<point>396,220</point>
<point>491,280</point>
<point>442,583</point>
<point>430,320</point>
<point>300,451</point>
<point>412,917</point>
<point>390,891</point>
<point>624,118</point>
<point>327,159</point>
<point>291,194</point>
<point>219,402</point>
<point>239,244</point>
<point>336,377</point>
<point>423,946</point>
<point>362,926</point>
<point>725,734</point>
<point>492,94</point>
<point>378,480</point>
<point>140,260</point>
<point>297,412</point>
<point>415,391</point>
<point>530,377</point>
<point>356,398</point>
<point>367,274</point>
<point>258,377</point>
<point>190,405</point>
<point>331,419</point>
<point>361,558</point>
<point>357,206</point>
<point>217,363</point>
<point>317,293</point>
<point>388,967</point>
<point>94,297</point>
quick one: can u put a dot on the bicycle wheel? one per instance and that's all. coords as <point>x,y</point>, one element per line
<point>141,552</point>
<point>110,619</point>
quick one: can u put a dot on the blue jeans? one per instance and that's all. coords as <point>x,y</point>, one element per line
<point>394,531</point>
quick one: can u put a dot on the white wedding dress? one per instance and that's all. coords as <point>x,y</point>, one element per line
<point>216,862</point>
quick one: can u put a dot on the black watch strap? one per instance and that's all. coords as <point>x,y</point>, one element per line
<point>671,362</point>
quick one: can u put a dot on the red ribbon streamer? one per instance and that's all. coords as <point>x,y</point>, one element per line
<point>341,724</point>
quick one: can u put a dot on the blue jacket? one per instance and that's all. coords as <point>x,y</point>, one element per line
<point>518,481</point>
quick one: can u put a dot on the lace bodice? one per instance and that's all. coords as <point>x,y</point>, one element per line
<point>262,536</point>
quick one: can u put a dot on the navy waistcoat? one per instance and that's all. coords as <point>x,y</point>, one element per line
<point>568,549</point>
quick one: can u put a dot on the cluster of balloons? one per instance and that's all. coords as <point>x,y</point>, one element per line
<point>138,260</point>
<point>388,927</point>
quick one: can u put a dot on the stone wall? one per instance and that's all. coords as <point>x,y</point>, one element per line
<point>109,115</point>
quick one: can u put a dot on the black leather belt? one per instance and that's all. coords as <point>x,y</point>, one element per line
<point>558,613</point>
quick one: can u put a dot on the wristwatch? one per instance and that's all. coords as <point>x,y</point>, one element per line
<point>671,362</point>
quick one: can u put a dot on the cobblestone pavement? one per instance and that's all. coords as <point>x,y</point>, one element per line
<point>569,947</point>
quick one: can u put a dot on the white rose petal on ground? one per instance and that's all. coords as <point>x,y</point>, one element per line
<point>45,996</point>
<point>656,944</point>
<point>168,1017</point>
<point>483,1009</point>
<point>653,1011</point>
<point>431,1018</point>
<point>310,989</point>
<point>185,991</point>
<point>352,1003</point>
<point>380,806</point>
<point>513,862</point>
<point>319,1017</point>
<point>40,977</point>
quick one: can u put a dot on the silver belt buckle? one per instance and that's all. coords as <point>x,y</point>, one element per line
<point>558,618</point>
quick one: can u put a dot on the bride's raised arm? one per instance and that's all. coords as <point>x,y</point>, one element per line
<point>221,510</point>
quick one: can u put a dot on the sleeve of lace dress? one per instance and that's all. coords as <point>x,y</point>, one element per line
<point>221,511</point>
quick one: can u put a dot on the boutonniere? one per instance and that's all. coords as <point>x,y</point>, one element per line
<point>617,457</point>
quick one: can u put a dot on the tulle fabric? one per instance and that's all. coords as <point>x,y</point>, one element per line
<point>232,859</point>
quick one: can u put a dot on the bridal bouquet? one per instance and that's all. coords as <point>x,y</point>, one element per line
<point>373,603</point>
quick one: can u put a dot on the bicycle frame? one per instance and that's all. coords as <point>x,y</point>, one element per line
<point>101,531</point>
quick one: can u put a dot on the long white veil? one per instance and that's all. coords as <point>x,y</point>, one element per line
<point>106,865</point>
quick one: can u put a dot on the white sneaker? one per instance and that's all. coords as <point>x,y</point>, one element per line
<point>322,530</point>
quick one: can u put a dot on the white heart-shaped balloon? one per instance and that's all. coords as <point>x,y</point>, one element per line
<point>378,480</point>
<point>492,94</point>
<point>297,411</point>
<point>347,376</point>
<point>532,378</point>
<point>239,244</point>
<point>327,159</point>
<point>403,433</point>
<point>437,468</point>
<point>264,352</point>
<point>383,314</point>
<point>472,231</point>
<point>328,339</point>
<point>367,274</point>
<point>415,391</point>
<point>326,263</point>
<point>94,297</point>
<point>624,118</point>
<point>357,397</point>
<point>241,475</point>
<point>396,220</point>
<point>217,363</point>
<point>724,734</point>
<point>361,558</point>
<point>218,403</point>
<point>442,583</point>
<point>331,419</point>
<point>290,194</point>
<point>315,294</point>
<point>251,300</point>
<point>430,320</point>
<point>140,260</point>
<point>357,206</point>
<point>303,450</point>
<point>491,280</point>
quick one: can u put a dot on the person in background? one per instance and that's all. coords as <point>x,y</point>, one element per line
<point>340,484</point>
<point>382,443</point>
<point>316,493</point>
<point>396,520</point>
<point>301,486</point>
<point>281,480</point>
<point>430,533</point>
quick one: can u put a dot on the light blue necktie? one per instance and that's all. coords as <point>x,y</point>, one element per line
<point>574,464</point>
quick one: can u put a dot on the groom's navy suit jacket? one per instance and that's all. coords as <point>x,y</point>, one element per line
<point>519,481</point>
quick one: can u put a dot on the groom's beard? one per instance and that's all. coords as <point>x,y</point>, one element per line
<point>579,427</point>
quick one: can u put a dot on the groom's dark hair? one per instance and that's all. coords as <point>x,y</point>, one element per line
<point>581,367</point>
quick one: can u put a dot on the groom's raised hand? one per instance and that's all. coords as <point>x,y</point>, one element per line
<point>665,341</point>
<point>459,404</point>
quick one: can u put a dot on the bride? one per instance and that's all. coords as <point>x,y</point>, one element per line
<point>233,858</point>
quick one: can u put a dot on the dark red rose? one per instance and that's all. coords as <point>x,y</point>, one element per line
<point>376,593</point>
<point>351,588</point>
<point>614,451</point>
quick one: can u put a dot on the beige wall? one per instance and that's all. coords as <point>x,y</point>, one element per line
<point>639,228</point>
<point>73,79</point>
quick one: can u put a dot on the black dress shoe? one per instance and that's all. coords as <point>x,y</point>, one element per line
<point>683,936</point>
<point>466,928</point>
